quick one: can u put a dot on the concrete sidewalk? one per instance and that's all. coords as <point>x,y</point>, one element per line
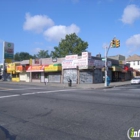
<point>84,86</point>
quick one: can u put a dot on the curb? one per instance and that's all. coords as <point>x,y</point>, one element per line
<point>63,85</point>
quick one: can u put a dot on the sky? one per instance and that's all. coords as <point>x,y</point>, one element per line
<point>34,25</point>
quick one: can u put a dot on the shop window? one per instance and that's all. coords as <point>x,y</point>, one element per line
<point>36,75</point>
<point>46,75</point>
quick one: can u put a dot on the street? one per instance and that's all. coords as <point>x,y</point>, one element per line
<point>29,112</point>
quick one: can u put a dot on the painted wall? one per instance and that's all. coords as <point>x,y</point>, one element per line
<point>97,76</point>
<point>70,73</point>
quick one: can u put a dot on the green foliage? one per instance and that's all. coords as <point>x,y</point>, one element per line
<point>72,44</point>
<point>42,54</point>
<point>22,56</point>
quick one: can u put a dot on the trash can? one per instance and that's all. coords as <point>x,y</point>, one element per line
<point>69,82</point>
<point>108,81</point>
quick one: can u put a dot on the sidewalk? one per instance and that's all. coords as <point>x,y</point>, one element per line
<point>84,86</point>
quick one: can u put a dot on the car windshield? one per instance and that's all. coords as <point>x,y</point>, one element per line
<point>136,78</point>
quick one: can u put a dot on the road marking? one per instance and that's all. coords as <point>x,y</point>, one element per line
<point>20,89</point>
<point>9,96</point>
<point>111,89</point>
<point>47,91</point>
<point>25,94</point>
<point>5,88</point>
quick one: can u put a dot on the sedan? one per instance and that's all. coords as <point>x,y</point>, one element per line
<point>135,80</point>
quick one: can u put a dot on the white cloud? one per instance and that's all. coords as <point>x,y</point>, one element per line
<point>36,50</point>
<point>37,23</point>
<point>59,32</point>
<point>133,43</point>
<point>130,14</point>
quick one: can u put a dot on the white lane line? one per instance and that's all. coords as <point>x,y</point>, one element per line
<point>9,96</point>
<point>20,89</point>
<point>47,91</point>
<point>24,94</point>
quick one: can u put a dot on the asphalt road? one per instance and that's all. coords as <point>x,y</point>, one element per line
<point>51,113</point>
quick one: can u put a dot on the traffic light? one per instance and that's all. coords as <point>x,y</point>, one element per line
<point>117,43</point>
<point>113,44</point>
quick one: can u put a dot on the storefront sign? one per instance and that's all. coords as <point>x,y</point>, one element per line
<point>35,68</point>
<point>21,68</point>
<point>66,64</point>
<point>71,57</point>
<point>53,68</point>
<point>8,60</point>
<point>83,63</point>
<point>11,67</point>
<point>116,68</point>
<point>86,55</point>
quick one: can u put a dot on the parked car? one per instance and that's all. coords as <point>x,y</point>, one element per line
<point>135,80</point>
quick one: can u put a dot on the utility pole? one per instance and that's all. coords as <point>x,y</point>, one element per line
<point>4,78</point>
<point>113,44</point>
<point>106,64</point>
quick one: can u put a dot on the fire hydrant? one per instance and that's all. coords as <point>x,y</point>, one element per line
<point>69,82</point>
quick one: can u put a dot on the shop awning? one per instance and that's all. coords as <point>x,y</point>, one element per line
<point>35,68</point>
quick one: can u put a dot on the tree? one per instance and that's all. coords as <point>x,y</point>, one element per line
<point>42,54</point>
<point>72,44</point>
<point>22,56</point>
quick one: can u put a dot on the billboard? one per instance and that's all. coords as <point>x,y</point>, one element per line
<point>8,50</point>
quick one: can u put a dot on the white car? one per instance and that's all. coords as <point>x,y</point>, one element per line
<point>135,80</point>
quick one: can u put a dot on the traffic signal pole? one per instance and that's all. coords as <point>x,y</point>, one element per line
<point>106,66</point>
<point>114,44</point>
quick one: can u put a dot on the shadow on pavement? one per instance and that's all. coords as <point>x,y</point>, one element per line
<point>5,135</point>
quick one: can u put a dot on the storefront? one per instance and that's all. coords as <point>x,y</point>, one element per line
<point>23,75</point>
<point>70,70</point>
<point>11,69</point>
<point>53,73</point>
<point>36,73</point>
<point>117,74</point>
<point>86,76</point>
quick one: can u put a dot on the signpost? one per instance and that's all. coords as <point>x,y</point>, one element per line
<point>8,55</point>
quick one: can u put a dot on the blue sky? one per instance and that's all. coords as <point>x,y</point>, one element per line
<point>40,24</point>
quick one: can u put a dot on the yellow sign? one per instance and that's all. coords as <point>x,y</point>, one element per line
<point>116,68</point>
<point>8,60</point>
<point>53,68</point>
<point>15,79</point>
<point>11,67</point>
<point>30,62</point>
